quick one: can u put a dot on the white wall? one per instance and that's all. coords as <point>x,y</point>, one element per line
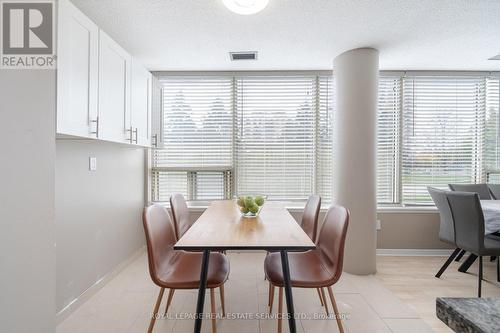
<point>98,213</point>
<point>27,253</point>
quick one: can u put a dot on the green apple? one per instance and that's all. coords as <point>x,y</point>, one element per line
<point>254,209</point>
<point>244,210</point>
<point>259,200</point>
<point>241,202</point>
<point>249,202</point>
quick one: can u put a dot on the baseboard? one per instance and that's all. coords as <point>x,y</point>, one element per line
<point>414,252</point>
<point>92,290</point>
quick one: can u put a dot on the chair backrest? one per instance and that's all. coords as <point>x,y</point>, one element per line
<point>446,225</point>
<point>481,189</point>
<point>180,214</point>
<point>331,239</point>
<point>160,238</point>
<point>469,220</point>
<point>310,216</point>
<point>495,191</point>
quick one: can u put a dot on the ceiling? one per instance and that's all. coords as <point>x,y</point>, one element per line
<point>304,34</point>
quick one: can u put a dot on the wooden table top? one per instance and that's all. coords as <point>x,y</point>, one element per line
<point>221,227</point>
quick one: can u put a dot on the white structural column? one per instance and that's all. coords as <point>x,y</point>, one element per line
<point>355,122</point>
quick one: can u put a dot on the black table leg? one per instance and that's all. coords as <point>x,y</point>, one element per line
<point>288,291</point>
<point>467,263</point>
<point>201,291</point>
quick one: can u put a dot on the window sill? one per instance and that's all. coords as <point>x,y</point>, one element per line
<point>407,210</point>
<point>296,207</point>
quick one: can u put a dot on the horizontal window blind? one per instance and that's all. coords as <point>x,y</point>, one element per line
<point>324,143</point>
<point>443,120</point>
<point>388,139</point>
<point>197,137</point>
<point>492,131</point>
<point>230,135</point>
<point>275,141</point>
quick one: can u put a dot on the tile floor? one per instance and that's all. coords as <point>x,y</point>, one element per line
<point>412,280</point>
<point>126,302</point>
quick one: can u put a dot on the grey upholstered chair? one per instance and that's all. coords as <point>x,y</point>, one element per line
<point>481,189</point>
<point>495,191</point>
<point>446,227</point>
<point>469,229</point>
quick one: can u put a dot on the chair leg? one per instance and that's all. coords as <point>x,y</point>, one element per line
<point>169,299</point>
<point>335,310</point>
<point>320,298</point>
<point>155,311</point>
<point>271,297</point>
<point>324,299</point>
<point>480,276</point>
<point>448,262</point>
<point>280,308</point>
<point>498,269</point>
<point>212,303</point>
<point>222,301</point>
<point>460,255</point>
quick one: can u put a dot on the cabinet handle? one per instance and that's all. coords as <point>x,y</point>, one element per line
<point>96,121</point>
<point>131,134</point>
<point>136,135</point>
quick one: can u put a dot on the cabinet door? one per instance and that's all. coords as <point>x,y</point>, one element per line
<point>140,111</point>
<point>114,91</point>
<point>77,73</point>
<point>156,114</point>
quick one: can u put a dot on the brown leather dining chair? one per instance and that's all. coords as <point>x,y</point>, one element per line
<point>309,224</point>
<point>318,268</point>
<point>174,269</point>
<point>180,214</point>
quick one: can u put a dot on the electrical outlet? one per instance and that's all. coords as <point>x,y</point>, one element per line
<point>92,163</point>
<point>379,225</point>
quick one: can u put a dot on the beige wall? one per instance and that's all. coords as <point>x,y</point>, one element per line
<point>409,230</point>
<point>98,213</point>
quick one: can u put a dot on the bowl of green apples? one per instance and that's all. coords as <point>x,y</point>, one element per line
<point>249,205</point>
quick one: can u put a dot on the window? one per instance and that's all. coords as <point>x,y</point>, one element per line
<point>196,159</point>
<point>227,135</point>
<point>283,136</point>
<point>233,134</point>
<point>449,133</point>
<point>443,123</point>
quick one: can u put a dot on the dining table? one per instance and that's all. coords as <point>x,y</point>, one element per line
<point>491,213</point>
<point>222,227</point>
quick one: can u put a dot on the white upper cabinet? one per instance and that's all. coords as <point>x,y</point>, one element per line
<point>114,91</point>
<point>140,110</point>
<point>77,73</point>
<point>102,93</point>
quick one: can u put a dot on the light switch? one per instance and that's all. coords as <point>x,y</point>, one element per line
<point>92,163</point>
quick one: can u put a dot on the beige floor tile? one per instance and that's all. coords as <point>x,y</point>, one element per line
<point>412,280</point>
<point>125,304</point>
<point>407,326</point>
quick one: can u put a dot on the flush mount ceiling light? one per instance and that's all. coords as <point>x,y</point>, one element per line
<point>245,7</point>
